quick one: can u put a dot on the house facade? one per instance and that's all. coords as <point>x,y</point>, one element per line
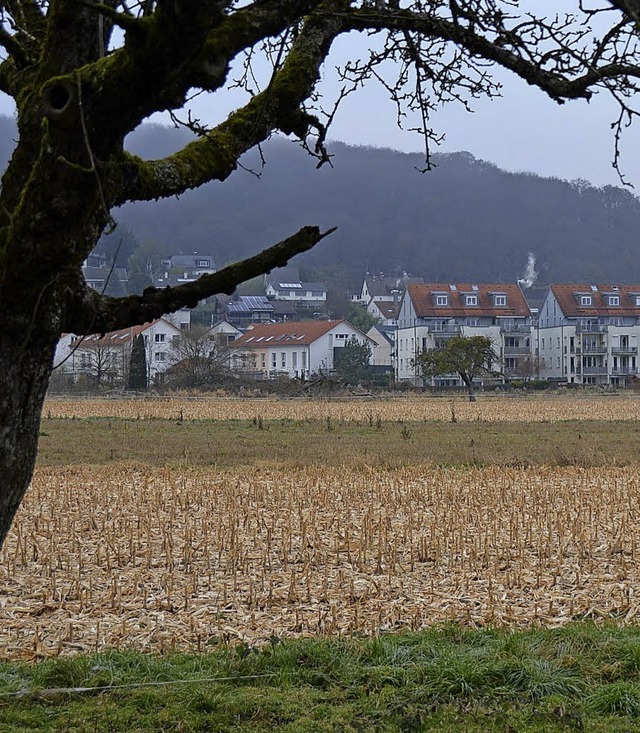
<point>285,285</point>
<point>294,349</point>
<point>105,358</point>
<point>432,313</point>
<point>589,334</point>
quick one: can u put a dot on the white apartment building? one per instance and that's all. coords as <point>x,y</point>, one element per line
<point>432,313</point>
<point>589,334</point>
<point>293,348</point>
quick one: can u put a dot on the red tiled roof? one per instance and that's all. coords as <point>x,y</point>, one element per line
<point>423,297</point>
<point>290,333</point>
<point>123,336</point>
<point>568,297</point>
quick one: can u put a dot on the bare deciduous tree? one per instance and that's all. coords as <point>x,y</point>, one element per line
<point>85,73</point>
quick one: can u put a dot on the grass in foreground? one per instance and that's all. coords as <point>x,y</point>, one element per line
<point>386,444</point>
<point>582,677</point>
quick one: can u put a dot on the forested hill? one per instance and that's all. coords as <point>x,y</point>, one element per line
<point>466,220</point>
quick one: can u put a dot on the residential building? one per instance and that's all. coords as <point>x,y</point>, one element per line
<point>385,311</point>
<point>294,349</point>
<point>105,358</point>
<point>285,284</point>
<point>243,310</point>
<point>432,313</point>
<point>384,343</point>
<point>383,288</point>
<point>589,334</point>
<point>178,269</point>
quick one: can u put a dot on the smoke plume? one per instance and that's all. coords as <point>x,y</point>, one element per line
<point>530,273</point>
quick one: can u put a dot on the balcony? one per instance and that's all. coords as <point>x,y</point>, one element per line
<point>623,371</point>
<point>594,348</point>
<point>517,328</point>
<point>590,370</point>
<point>446,331</point>
<point>524,350</point>
<point>590,328</point>
<point>624,349</point>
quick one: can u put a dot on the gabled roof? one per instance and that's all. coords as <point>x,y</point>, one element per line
<point>385,333</point>
<point>290,333</point>
<point>423,297</point>
<point>568,297</point>
<point>387,309</point>
<point>123,336</point>
<point>381,285</point>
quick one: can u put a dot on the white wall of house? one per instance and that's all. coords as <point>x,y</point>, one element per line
<point>382,351</point>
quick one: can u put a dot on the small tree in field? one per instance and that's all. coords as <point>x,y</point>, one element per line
<point>138,376</point>
<point>469,357</point>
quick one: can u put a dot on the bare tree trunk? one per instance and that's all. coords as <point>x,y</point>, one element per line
<point>25,368</point>
<point>470,388</point>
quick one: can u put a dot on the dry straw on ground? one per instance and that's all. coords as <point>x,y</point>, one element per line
<point>549,409</point>
<point>159,559</point>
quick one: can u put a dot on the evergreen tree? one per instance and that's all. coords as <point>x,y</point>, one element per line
<point>138,379</point>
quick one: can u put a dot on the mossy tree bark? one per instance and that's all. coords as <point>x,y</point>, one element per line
<point>78,93</point>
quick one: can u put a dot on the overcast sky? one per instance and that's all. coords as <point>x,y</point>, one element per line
<point>522,131</point>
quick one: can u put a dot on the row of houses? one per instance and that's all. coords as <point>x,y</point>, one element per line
<point>581,334</point>
<point>295,349</point>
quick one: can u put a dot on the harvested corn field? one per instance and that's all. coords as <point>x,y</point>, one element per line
<point>183,558</point>
<point>488,409</point>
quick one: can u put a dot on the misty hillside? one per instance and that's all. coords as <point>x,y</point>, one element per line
<point>466,220</point>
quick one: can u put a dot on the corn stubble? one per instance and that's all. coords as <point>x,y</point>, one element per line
<point>489,409</point>
<point>163,559</point>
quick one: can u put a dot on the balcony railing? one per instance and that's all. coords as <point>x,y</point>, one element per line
<point>594,348</point>
<point>623,371</point>
<point>590,328</point>
<point>594,370</point>
<point>517,328</point>
<point>446,330</point>
<point>624,349</point>
<point>517,350</point>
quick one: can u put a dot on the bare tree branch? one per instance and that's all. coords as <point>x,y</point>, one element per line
<point>214,156</point>
<point>99,314</point>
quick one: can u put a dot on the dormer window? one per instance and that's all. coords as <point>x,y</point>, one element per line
<point>471,300</point>
<point>499,300</point>
<point>614,300</point>
<point>637,300</point>
<point>442,300</point>
<point>586,300</point>
<point>202,263</point>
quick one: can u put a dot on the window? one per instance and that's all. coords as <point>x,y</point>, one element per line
<point>160,356</point>
<point>614,300</point>
<point>442,300</point>
<point>184,325</point>
<point>294,359</point>
<point>274,360</point>
<point>263,361</point>
<point>500,300</point>
<point>202,263</point>
<point>283,359</point>
<point>159,338</point>
<point>637,299</point>
<point>471,300</point>
<point>586,300</point>
<point>304,359</point>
